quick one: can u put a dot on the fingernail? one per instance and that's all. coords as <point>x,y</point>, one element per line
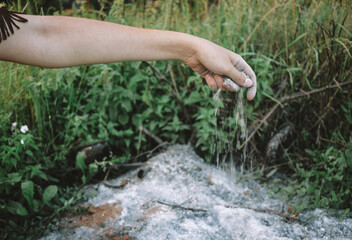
<point>248,83</point>
<point>251,93</point>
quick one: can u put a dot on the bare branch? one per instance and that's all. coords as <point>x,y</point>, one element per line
<point>146,131</point>
<point>286,217</point>
<point>184,208</point>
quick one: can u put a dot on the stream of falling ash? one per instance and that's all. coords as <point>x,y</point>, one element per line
<point>230,132</point>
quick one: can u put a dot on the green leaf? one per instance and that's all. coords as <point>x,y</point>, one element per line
<point>139,77</point>
<point>80,161</point>
<point>30,153</point>
<point>36,205</point>
<point>28,192</point>
<point>49,193</point>
<point>290,44</point>
<point>123,118</point>
<point>22,211</point>
<point>111,129</point>
<point>16,208</point>
<point>37,172</point>
<point>193,79</point>
<point>126,104</point>
<point>125,133</point>
<point>193,98</point>
<point>84,179</point>
<point>146,98</point>
<point>93,169</point>
<point>272,172</point>
<point>118,160</point>
<point>14,178</point>
<point>272,98</point>
<point>135,64</point>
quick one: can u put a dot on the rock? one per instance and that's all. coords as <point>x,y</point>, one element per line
<point>181,197</point>
<point>278,139</point>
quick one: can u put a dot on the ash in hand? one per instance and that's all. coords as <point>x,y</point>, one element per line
<point>231,85</point>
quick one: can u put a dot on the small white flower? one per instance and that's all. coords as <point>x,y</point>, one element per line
<point>22,142</point>
<point>14,124</point>
<point>24,129</point>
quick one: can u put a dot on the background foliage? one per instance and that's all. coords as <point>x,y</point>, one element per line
<point>294,46</point>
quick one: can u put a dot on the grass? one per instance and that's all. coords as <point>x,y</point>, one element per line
<point>298,44</point>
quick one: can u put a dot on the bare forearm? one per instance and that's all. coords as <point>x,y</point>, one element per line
<point>65,41</point>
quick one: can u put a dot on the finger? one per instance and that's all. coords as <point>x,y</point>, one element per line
<point>219,81</point>
<point>252,91</point>
<point>211,82</point>
<point>230,85</point>
<point>238,78</point>
<point>241,65</point>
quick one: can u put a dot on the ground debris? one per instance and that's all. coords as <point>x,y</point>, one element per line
<point>91,216</point>
<point>171,203</point>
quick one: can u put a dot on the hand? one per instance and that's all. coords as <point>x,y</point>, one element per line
<point>214,62</point>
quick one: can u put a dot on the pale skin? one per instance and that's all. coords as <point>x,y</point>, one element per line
<point>57,41</point>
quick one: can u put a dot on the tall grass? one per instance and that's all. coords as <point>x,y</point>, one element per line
<point>297,44</point>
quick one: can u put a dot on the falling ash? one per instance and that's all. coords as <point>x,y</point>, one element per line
<point>229,146</point>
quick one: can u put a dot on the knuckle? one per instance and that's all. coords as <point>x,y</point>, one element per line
<point>238,60</point>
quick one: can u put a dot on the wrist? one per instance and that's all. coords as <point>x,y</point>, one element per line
<point>190,45</point>
<point>180,46</point>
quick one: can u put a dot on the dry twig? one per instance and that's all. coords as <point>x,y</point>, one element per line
<point>105,183</point>
<point>272,110</point>
<point>157,73</point>
<point>286,217</point>
<point>122,184</point>
<point>184,208</point>
<point>146,131</point>
<point>302,94</point>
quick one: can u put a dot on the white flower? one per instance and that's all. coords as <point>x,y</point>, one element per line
<point>14,124</point>
<point>24,129</point>
<point>22,142</point>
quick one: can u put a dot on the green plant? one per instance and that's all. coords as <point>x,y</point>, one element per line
<point>293,46</point>
<point>24,184</point>
<point>326,183</point>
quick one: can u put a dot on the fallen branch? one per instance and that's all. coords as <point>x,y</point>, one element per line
<point>286,217</point>
<point>122,184</point>
<point>303,94</point>
<point>184,208</point>
<point>105,183</point>
<point>146,131</point>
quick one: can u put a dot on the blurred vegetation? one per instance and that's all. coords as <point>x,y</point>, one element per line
<point>294,46</point>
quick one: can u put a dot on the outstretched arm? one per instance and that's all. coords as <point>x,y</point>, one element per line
<point>57,41</point>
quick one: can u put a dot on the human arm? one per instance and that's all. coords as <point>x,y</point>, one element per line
<point>56,41</point>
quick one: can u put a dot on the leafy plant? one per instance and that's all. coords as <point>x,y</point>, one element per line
<point>326,184</point>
